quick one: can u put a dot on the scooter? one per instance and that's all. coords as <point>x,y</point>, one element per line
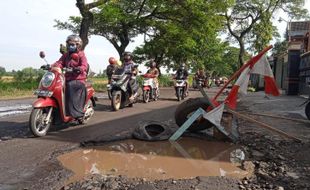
<point>50,105</point>
<point>150,91</point>
<point>180,87</point>
<point>119,90</point>
<point>199,82</point>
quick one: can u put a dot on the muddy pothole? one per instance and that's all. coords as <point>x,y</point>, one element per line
<point>184,159</point>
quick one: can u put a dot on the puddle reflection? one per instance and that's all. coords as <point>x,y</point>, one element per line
<point>186,158</point>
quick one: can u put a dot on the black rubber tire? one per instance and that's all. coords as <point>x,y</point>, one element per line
<point>307,110</point>
<point>152,131</point>
<point>146,96</point>
<point>183,94</point>
<point>188,107</point>
<point>178,91</point>
<point>33,123</point>
<point>115,104</point>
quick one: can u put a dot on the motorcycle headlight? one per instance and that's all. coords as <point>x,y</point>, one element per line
<point>47,79</point>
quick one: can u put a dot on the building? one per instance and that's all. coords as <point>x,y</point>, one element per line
<point>289,65</point>
<point>304,67</point>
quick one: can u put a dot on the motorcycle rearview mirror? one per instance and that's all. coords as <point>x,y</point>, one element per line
<point>42,55</point>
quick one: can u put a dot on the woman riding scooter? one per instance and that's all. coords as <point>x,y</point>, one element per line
<point>75,81</point>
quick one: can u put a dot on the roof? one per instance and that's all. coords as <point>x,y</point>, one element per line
<point>299,28</point>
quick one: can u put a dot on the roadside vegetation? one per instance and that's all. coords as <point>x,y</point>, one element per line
<point>19,84</point>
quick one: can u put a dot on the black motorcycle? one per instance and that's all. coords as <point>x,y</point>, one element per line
<point>119,89</point>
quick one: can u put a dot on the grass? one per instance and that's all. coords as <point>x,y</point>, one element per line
<point>11,89</point>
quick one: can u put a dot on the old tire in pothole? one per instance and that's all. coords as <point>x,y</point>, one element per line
<point>187,108</point>
<point>307,110</point>
<point>152,131</point>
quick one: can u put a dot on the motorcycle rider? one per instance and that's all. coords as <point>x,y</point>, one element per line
<point>154,71</point>
<point>111,68</point>
<point>75,81</point>
<point>182,74</point>
<point>130,67</point>
<point>200,75</point>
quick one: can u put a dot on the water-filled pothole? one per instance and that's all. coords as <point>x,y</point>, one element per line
<point>186,158</point>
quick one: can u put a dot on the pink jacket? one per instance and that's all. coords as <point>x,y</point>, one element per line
<point>66,61</point>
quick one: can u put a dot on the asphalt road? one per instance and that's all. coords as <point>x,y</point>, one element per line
<point>25,160</point>
<point>30,163</point>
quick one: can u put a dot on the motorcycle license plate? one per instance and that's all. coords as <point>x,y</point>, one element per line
<point>44,93</point>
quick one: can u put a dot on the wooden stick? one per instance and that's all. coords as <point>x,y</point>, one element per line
<point>279,117</point>
<point>264,125</point>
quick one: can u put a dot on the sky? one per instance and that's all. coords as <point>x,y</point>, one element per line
<point>28,28</point>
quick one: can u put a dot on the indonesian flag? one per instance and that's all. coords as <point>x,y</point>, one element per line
<point>260,67</point>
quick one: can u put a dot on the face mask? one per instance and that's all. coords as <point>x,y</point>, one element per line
<point>72,48</point>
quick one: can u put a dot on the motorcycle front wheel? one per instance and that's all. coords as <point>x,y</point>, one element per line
<point>146,96</point>
<point>178,94</point>
<point>37,124</point>
<point>116,100</point>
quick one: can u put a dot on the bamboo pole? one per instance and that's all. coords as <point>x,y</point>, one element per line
<point>279,117</point>
<point>264,125</point>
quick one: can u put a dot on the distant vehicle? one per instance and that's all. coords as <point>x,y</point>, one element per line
<point>150,91</point>
<point>119,90</point>
<point>218,81</point>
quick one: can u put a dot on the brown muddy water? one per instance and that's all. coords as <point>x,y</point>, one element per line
<point>186,158</point>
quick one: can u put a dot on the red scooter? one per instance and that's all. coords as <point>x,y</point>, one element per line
<point>50,105</point>
<point>150,91</point>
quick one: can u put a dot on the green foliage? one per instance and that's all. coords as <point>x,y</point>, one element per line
<point>2,72</point>
<point>249,21</point>
<point>165,81</point>
<point>280,47</point>
<point>189,34</point>
<point>28,75</point>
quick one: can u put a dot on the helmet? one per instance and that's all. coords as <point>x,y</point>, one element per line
<point>152,64</point>
<point>126,54</point>
<point>182,66</point>
<point>74,43</point>
<point>112,60</point>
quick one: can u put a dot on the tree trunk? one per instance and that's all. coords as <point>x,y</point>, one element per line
<point>241,51</point>
<point>87,20</point>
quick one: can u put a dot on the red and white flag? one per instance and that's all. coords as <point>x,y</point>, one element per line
<point>261,67</point>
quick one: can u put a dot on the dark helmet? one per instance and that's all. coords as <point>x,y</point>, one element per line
<point>127,56</point>
<point>152,64</point>
<point>112,60</point>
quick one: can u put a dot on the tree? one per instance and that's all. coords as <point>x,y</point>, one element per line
<point>2,72</point>
<point>188,34</point>
<point>280,47</point>
<point>251,18</point>
<point>117,21</point>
